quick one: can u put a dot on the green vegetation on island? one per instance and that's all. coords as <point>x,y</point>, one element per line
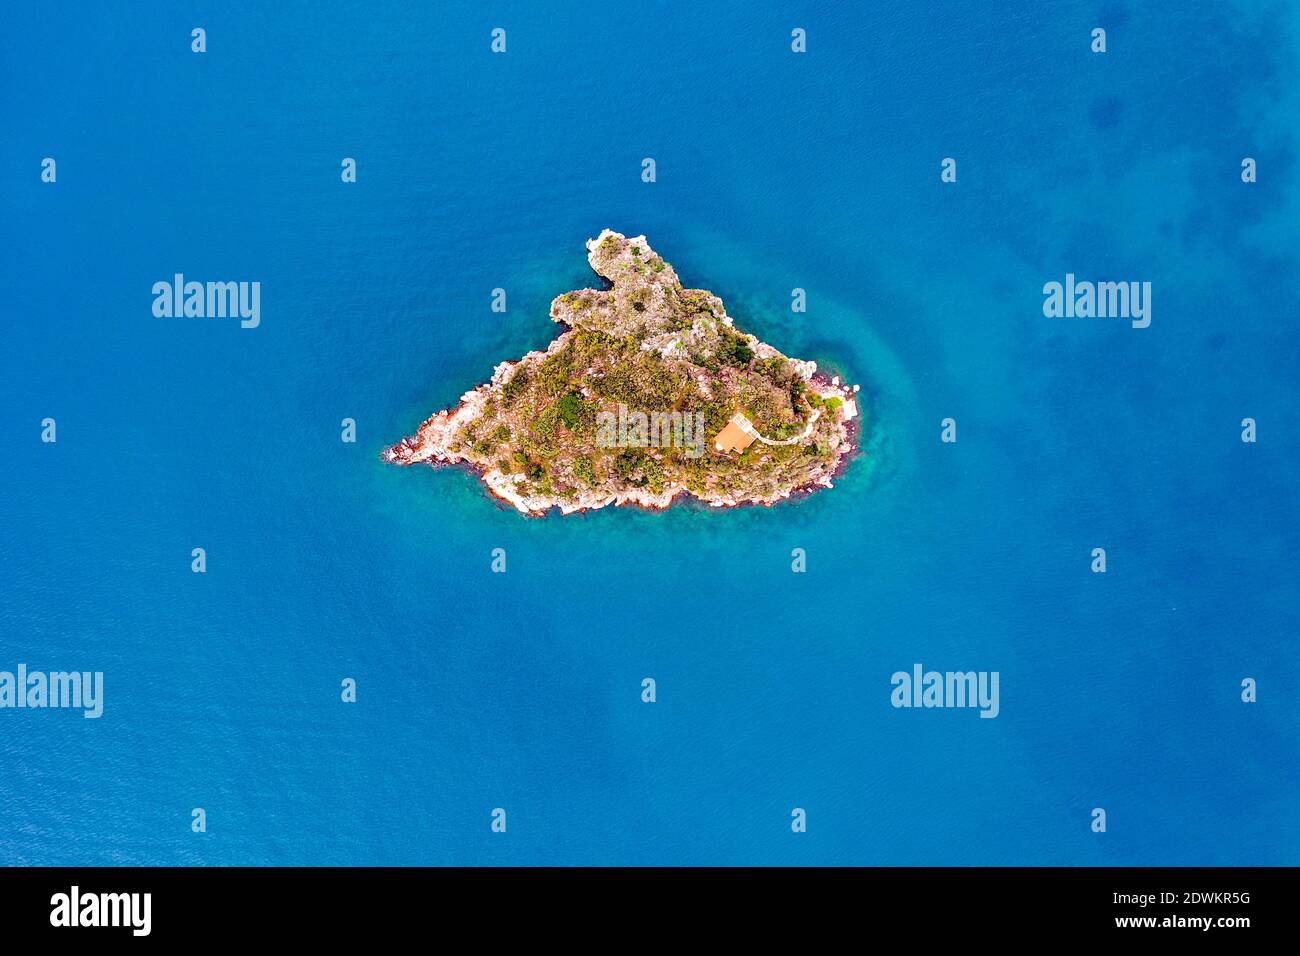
<point>650,391</point>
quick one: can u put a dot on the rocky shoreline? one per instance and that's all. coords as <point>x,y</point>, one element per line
<point>429,446</point>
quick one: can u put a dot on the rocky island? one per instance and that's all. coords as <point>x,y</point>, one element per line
<point>648,393</point>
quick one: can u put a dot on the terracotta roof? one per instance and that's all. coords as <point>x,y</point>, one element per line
<point>737,436</point>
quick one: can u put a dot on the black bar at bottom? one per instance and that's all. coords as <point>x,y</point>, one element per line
<point>375,904</point>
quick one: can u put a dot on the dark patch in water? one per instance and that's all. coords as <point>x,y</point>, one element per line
<point>1106,112</point>
<point>1113,16</point>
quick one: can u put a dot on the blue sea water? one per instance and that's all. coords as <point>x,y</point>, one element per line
<point>522,690</point>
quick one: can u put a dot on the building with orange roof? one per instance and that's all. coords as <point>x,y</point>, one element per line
<point>738,435</point>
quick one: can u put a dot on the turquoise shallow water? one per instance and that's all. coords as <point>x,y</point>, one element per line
<point>522,690</point>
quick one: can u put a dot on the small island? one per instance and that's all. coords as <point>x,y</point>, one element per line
<point>650,392</point>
